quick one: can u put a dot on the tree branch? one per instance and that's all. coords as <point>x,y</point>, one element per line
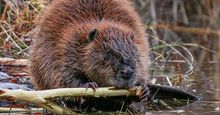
<point>40,98</point>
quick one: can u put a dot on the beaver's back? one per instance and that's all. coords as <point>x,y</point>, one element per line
<point>47,52</point>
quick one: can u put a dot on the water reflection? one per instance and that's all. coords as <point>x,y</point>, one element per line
<point>206,85</point>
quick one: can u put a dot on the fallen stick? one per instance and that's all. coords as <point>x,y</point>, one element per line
<point>19,110</point>
<point>14,62</point>
<point>40,98</point>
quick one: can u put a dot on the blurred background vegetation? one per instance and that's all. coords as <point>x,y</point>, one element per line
<point>183,32</point>
<point>186,21</point>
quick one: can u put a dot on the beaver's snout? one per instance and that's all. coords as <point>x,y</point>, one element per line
<point>126,72</point>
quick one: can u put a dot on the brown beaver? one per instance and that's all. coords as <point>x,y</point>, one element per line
<point>90,43</point>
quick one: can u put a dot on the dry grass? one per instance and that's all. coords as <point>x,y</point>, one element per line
<point>182,27</point>
<point>17,19</point>
<point>186,21</point>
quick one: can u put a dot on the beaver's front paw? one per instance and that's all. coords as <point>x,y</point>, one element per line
<point>92,85</point>
<point>144,93</point>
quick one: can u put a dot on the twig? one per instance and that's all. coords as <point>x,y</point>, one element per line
<point>8,36</point>
<point>14,62</point>
<point>165,104</point>
<point>189,61</point>
<point>16,110</point>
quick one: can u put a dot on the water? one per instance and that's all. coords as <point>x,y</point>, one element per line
<point>206,85</point>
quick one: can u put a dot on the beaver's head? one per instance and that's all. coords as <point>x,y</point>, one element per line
<point>111,57</point>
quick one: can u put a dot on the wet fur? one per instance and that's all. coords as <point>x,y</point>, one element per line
<point>57,53</point>
<point>65,55</point>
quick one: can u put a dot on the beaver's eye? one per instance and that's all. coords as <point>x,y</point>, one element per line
<point>92,35</point>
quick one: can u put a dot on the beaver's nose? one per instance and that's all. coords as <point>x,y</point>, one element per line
<point>127,72</point>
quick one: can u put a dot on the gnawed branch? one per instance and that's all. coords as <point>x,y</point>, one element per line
<point>41,98</point>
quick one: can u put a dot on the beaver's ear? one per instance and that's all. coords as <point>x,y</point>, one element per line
<point>92,35</point>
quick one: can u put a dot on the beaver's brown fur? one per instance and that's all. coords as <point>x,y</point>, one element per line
<point>84,41</point>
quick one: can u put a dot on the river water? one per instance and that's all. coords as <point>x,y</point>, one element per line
<point>205,85</point>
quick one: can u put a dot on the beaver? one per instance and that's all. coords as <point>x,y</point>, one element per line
<point>90,43</point>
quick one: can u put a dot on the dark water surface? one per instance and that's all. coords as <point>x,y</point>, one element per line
<point>205,85</point>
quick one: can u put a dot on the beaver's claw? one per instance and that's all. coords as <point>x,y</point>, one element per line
<point>92,85</point>
<point>144,93</point>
